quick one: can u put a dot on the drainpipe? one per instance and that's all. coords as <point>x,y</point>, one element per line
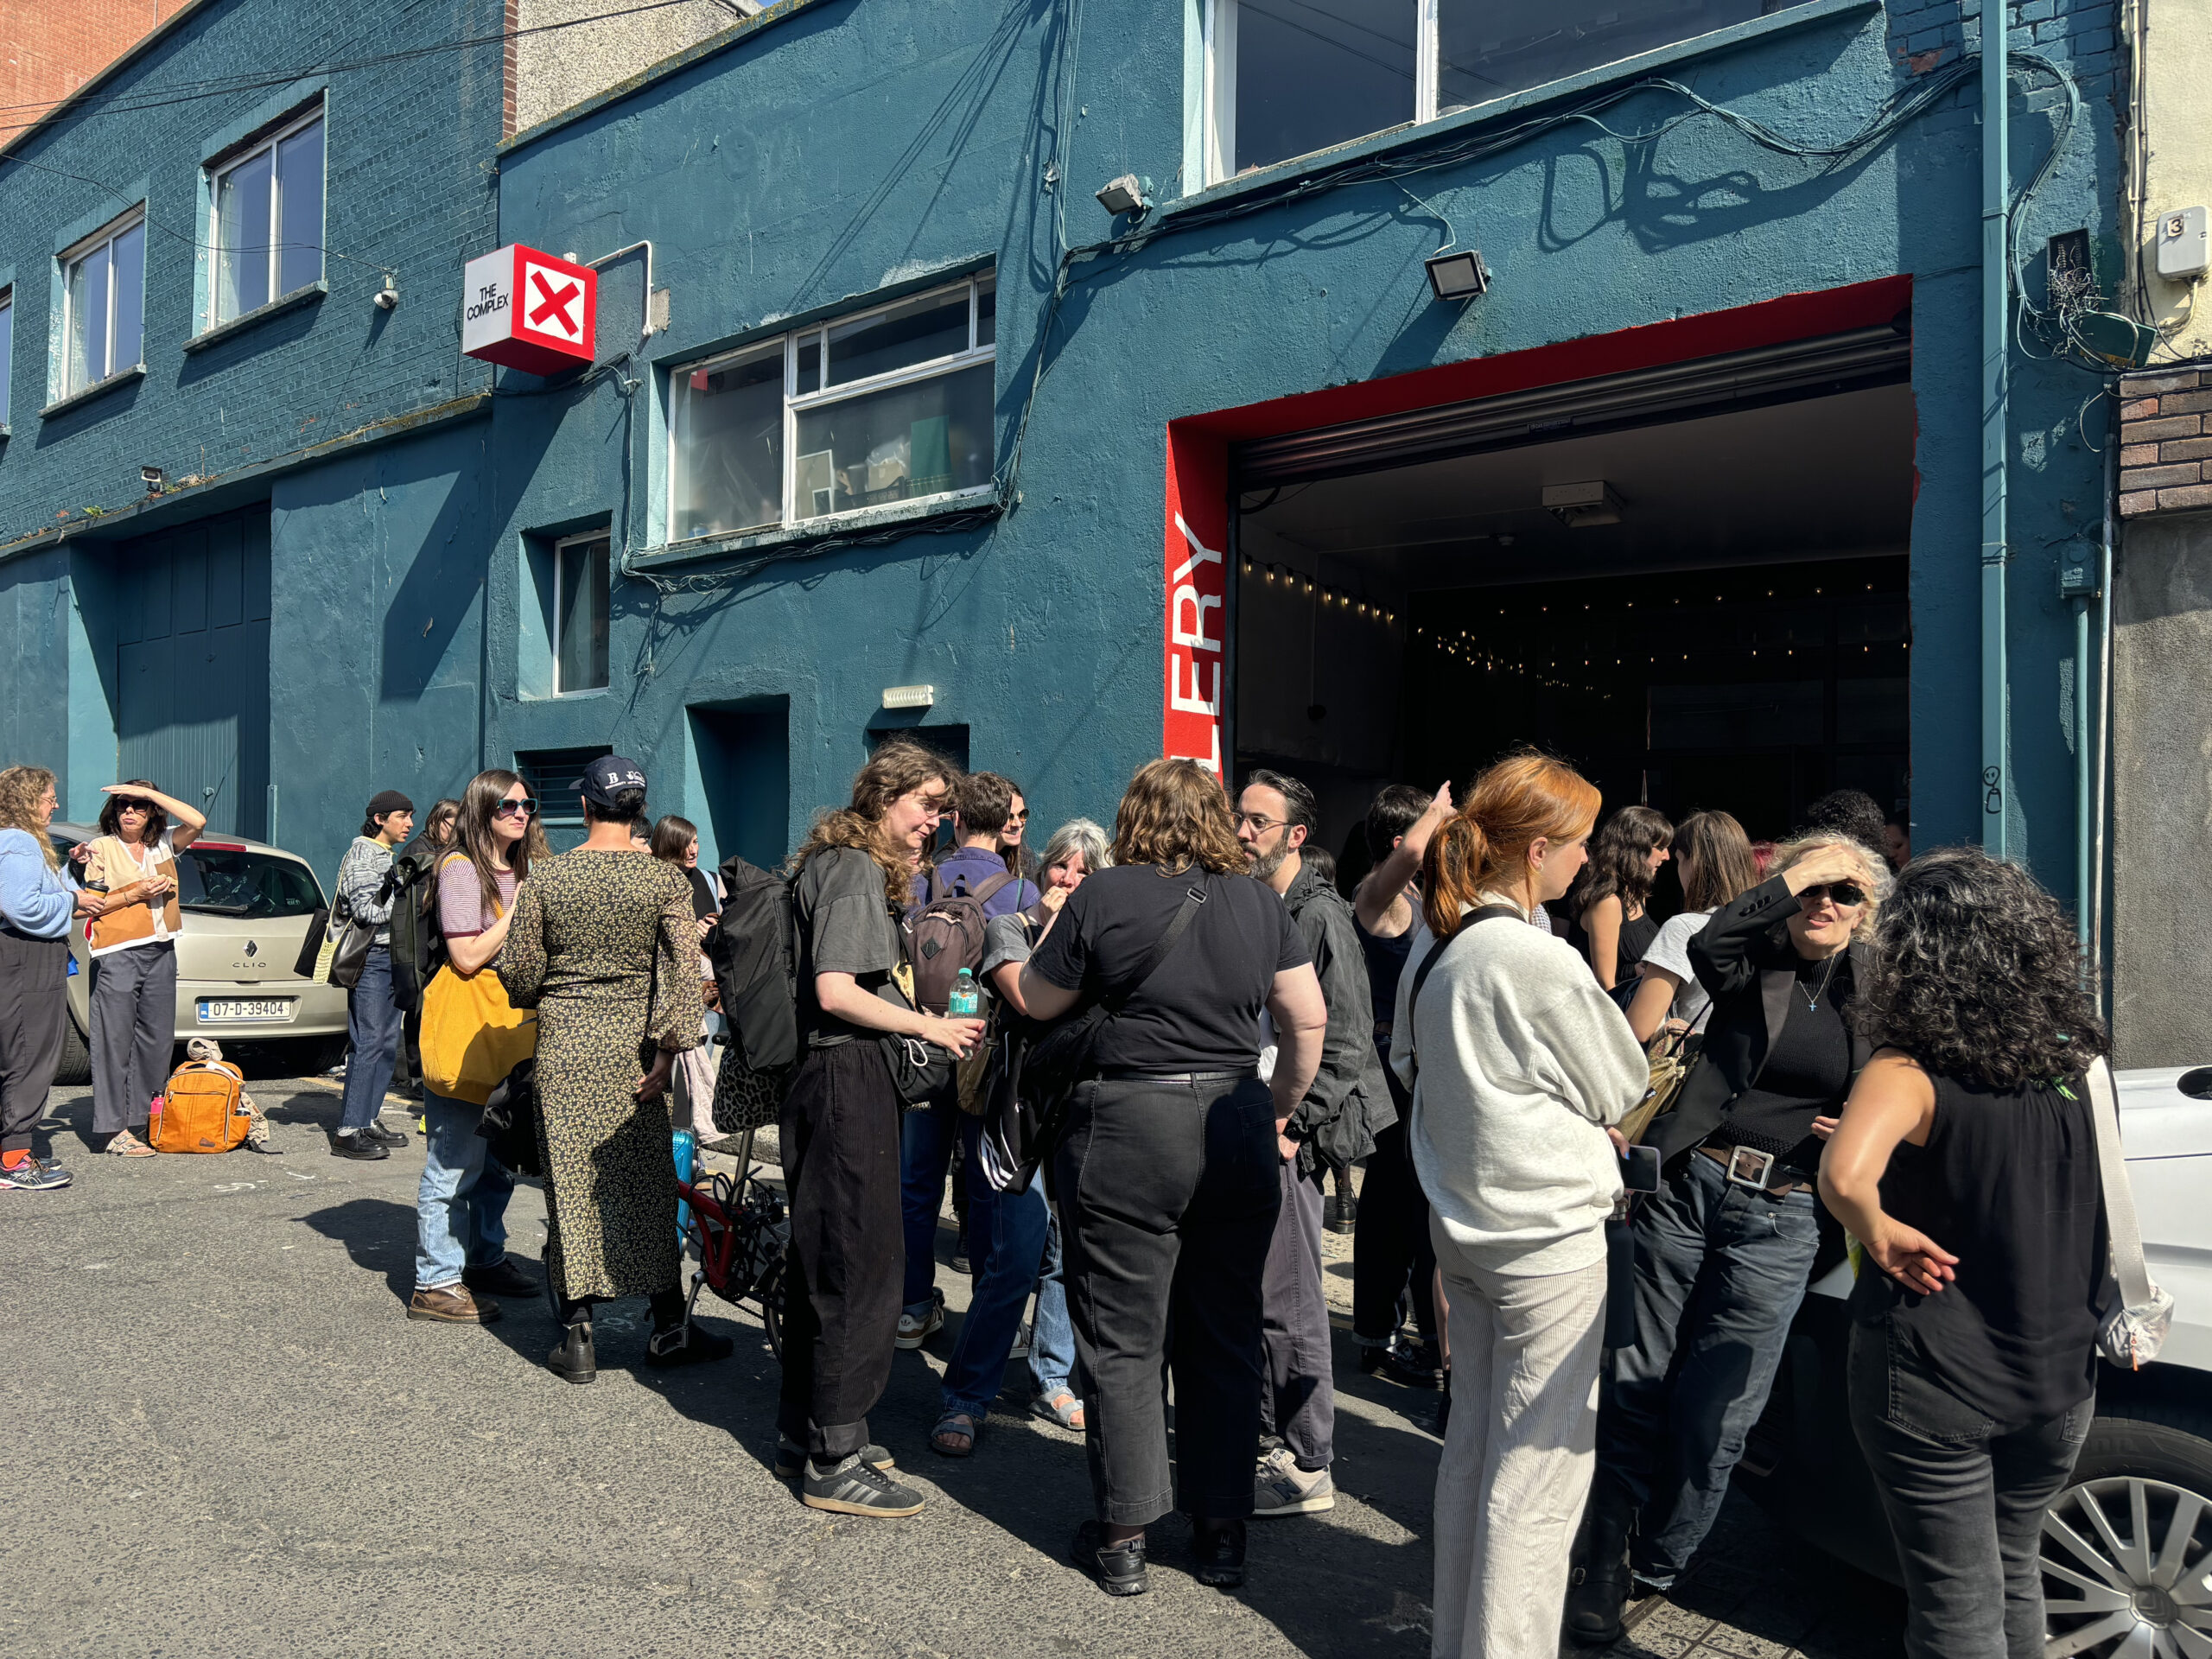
<point>1996,258</point>
<point>2099,801</point>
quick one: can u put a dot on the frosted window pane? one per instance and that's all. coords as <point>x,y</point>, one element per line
<point>241,204</point>
<point>87,301</point>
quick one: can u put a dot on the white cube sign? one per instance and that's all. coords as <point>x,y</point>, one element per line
<point>529,310</point>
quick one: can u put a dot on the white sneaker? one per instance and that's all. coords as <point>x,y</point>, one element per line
<point>913,1332</point>
<point>1281,1487</point>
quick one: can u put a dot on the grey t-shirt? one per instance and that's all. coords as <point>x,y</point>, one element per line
<point>843,925</point>
<point>1010,937</point>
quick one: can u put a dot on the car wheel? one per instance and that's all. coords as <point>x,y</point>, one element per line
<point>76,1067</point>
<point>2128,1547</point>
<point>314,1056</point>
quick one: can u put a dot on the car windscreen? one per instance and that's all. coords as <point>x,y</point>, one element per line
<point>224,881</point>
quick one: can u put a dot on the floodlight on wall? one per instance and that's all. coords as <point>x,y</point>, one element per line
<point>1578,506</point>
<point>153,478</point>
<point>1126,195</point>
<point>1459,274</point>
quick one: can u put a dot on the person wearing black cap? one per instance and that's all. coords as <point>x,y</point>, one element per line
<point>603,945</point>
<point>372,1016</point>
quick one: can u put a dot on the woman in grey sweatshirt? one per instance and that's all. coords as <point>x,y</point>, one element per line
<point>1519,1066</point>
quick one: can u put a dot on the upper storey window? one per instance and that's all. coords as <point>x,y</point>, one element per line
<point>266,225</point>
<point>104,303</point>
<point>1288,78</point>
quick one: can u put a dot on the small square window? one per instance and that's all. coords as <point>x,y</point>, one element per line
<point>103,303</point>
<point>266,228</point>
<point>581,586</point>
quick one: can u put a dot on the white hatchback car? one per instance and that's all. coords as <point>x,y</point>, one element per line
<point>247,909</point>
<point>2128,1547</point>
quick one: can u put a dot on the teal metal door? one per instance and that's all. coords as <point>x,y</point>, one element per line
<point>192,666</point>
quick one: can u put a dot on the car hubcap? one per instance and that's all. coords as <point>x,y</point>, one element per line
<point>2127,1570</point>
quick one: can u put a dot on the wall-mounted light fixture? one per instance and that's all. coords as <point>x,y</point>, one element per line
<point>153,478</point>
<point>1578,506</point>
<point>909,696</point>
<point>1126,195</point>
<point>1459,274</point>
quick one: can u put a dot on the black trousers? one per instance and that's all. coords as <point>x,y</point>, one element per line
<point>1391,1257</point>
<point>839,1140</point>
<point>1168,1193</point>
<point>33,1003</point>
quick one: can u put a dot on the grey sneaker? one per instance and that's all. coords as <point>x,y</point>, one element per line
<point>35,1175</point>
<point>915,1330</point>
<point>1281,1487</point>
<point>854,1488</point>
<point>790,1458</point>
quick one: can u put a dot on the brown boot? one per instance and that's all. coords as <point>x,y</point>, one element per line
<point>453,1305</point>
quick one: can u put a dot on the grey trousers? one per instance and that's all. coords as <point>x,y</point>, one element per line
<point>1516,1472</point>
<point>134,1029</point>
<point>34,1007</point>
<point>1298,1394</point>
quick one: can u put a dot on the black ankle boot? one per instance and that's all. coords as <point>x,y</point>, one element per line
<point>1596,1586</point>
<point>575,1360</point>
<point>679,1341</point>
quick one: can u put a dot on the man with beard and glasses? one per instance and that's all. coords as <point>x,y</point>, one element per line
<point>1334,1125</point>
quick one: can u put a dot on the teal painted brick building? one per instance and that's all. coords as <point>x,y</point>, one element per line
<point>712,553</point>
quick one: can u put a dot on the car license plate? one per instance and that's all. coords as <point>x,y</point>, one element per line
<point>251,1008</point>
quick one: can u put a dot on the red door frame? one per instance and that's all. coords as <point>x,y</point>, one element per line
<point>1197,539</point>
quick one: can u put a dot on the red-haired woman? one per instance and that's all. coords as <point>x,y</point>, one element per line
<point>1519,1066</point>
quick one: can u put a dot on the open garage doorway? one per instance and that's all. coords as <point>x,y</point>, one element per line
<point>1702,607</point>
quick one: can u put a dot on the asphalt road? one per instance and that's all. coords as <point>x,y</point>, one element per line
<point>229,1441</point>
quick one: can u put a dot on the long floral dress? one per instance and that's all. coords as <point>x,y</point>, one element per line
<point>600,940</point>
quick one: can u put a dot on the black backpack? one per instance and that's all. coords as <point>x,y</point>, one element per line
<point>418,943</point>
<point>753,947</point>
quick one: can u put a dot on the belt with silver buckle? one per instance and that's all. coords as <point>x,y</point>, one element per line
<point>1747,1167</point>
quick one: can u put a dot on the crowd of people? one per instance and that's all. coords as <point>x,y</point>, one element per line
<point>1875,1052</point>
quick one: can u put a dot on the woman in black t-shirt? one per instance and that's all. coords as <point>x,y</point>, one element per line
<point>1166,1179</point>
<point>1966,1165</point>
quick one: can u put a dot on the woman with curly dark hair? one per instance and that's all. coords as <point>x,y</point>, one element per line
<point>1966,1165</point>
<point>1609,919</point>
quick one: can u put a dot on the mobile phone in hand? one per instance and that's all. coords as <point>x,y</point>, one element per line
<point>1640,1169</point>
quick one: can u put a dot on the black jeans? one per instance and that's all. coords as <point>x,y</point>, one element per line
<point>840,1138</point>
<point>1167,1194</point>
<point>1965,1496</point>
<point>1391,1258</point>
<point>34,1009</point>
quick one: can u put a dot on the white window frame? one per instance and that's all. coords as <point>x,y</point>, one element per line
<point>75,255</point>
<point>797,403</point>
<point>220,169</point>
<point>560,566</point>
<point>7,348</point>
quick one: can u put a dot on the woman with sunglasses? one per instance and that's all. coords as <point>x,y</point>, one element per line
<point>1725,1248</point>
<point>461,1207</point>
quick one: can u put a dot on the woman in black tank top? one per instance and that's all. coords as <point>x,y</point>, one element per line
<point>1966,1163</point>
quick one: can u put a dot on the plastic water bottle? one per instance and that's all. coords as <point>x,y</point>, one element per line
<point>685,1146</point>
<point>964,999</point>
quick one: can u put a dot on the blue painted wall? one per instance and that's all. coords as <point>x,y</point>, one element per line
<point>844,145</point>
<point>849,145</point>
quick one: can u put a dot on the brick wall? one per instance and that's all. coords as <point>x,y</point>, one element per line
<point>2166,442</point>
<point>49,48</point>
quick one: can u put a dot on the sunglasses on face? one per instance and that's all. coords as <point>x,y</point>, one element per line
<point>1017,817</point>
<point>1845,893</point>
<point>521,809</point>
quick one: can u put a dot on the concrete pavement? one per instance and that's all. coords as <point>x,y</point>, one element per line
<point>229,1441</point>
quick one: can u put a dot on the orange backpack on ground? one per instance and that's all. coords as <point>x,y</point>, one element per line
<point>203,1110</point>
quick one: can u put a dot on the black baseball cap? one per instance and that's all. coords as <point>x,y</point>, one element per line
<point>606,777</point>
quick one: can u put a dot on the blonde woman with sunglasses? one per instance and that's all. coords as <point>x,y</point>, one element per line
<point>1725,1248</point>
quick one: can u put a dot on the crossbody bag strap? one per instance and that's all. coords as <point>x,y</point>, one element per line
<point>1483,913</point>
<point>2121,1228</point>
<point>1193,897</point>
<point>983,895</point>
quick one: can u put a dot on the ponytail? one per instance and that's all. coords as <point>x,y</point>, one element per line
<point>1523,799</point>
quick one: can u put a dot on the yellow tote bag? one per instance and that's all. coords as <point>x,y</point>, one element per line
<point>472,1035</point>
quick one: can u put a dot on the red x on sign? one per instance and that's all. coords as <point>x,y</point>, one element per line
<point>556,303</point>
<point>529,310</point>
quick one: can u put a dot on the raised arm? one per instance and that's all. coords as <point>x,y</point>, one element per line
<point>1389,879</point>
<point>185,822</point>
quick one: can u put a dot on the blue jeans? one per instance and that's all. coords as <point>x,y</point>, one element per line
<point>1052,1345</point>
<point>926,1140</point>
<point>372,1020</point>
<point>1719,1271</point>
<point>460,1210</point>
<point>1006,1241</point>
